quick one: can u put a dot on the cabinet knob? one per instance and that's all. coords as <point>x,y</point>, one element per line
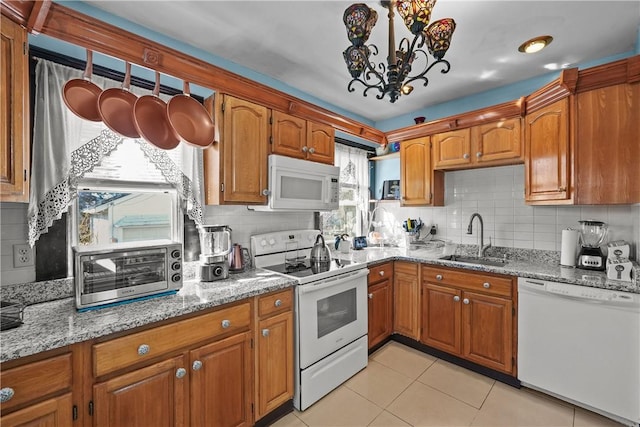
<point>312,150</point>
<point>305,149</point>
<point>479,154</point>
<point>381,273</point>
<point>265,332</point>
<point>370,296</point>
<point>456,298</point>
<point>561,189</point>
<point>226,323</point>
<point>6,393</point>
<point>466,155</point>
<point>266,192</point>
<point>486,285</point>
<point>143,349</point>
<point>181,372</point>
<point>278,303</point>
<point>438,276</point>
<point>197,365</point>
<point>465,301</point>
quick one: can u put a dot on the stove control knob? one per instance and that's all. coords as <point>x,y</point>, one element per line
<point>263,243</point>
<point>272,242</point>
<point>217,271</point>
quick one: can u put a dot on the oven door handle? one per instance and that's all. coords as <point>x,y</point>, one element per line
<point>331,282</point>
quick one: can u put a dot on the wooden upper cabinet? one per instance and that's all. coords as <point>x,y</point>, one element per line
<point>295,137</point>
<point>547,154</point>
<point>235,168</point>
<point>608,145</point>
<point>419,184</point>
<point>14,113</point>
<point>451,148</point>
<point>497,142</point>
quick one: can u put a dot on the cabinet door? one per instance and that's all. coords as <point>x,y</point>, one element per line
<point>380,311</point>
<point>244,143</point>
<point>289,135</point>
<point>441,314</point>
<point>321,143</point>
<point>151,396</point>
<point>221,378</point>
<point>274,353</point>
<point>487,331</point>
<point>451,148</point>
<point>406,306</point>
<point>14,114</point>
<point>56,412</point>
<point>415,172</point>
<point>499,142</point>
<point>607,146</point>
<point>547,153</point>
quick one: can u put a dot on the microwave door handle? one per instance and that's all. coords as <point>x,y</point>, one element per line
<point>327,191</point>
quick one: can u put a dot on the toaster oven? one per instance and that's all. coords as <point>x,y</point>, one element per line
<point>108,275</point>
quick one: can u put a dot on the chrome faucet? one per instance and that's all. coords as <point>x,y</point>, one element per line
<point>482,248</point>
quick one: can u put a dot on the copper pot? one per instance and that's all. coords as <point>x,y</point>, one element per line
<point>190,120</point>
<point>152,122</point>
<point>116,107</point>
<point>81,95</point>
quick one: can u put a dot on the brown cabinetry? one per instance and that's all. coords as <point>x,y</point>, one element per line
<point>380,307</point>
<point>406,299</point>
<point>419,184</point>
<point>303,139</point>
<point>235,168</point>
<point>470,315</point>
<point>14,113</point>
<point>54,412</point>
<point>547,153</point>
<point>451,148</point>
<point>274,351</point>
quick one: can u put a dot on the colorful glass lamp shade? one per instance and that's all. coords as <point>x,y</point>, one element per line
<point>394,78</point>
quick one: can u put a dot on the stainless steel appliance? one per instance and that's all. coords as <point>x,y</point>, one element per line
<point>581,344</point>
<point>215,248</point>
<point>104,275</point>
<point>330,312</point>
<point>301,185</point>
<point>592,234</point>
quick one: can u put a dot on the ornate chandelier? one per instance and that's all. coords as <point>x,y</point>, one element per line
<point>360,19</point>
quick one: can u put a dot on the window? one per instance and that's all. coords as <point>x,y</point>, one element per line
<point>351,217</point>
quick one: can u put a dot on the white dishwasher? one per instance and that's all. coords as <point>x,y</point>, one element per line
<point>581,344</point>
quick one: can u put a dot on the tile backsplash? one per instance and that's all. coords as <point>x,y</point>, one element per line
<point>498,195</point>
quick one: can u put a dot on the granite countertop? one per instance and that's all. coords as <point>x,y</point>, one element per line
<point>54,324</point>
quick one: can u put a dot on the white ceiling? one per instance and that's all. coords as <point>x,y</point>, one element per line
<point>300,43</point>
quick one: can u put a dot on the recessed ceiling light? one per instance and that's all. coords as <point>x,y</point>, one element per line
<point>535,44</point>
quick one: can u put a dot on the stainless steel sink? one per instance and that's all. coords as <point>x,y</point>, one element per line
<point>474,260</point>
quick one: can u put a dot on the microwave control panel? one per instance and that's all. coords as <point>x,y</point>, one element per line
<point>334,190</point>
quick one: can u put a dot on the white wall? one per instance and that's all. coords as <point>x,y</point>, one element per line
<point>13,230</point>
<point>498,195</point>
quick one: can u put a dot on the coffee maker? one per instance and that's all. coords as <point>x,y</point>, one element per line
<point>592,234</point>
<point>215,247</point>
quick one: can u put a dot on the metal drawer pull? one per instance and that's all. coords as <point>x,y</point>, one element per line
<point>381,273</point>
<point>486,285</point>
<point>479,154</point>
<point>197,365</point>
<point>143,349</point>
<point>465,155</point>
<point>438,276</point>
<point>312,150</point>
<point>456,298</point>
<point>305,149</point>
<point>465,301</point>
<point>370,296</point>
<point>226,323</point>
<point>265,332</point>
<point>6,393</point>
<point>181,372</point>
<point>278,303</point>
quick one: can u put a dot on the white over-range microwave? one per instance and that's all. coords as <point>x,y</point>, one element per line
<point>302,185</point>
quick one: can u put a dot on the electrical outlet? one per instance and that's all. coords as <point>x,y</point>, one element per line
<point>22,256</point>
<point>433,230</point>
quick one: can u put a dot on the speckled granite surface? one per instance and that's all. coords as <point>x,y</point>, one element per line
<point>56,323</point>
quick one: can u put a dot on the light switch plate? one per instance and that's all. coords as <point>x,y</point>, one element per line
<point>22,256</point>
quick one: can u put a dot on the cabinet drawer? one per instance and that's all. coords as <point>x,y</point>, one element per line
<point>37,379</point>
<point>406,267</point>
<point>273,303</point>
<point>468,281</point>
<point>380,272</point>
<point>119,353</point>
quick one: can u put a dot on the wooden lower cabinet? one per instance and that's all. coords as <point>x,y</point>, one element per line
<point>54,412</point>
<point>221,383</point>
<point>380,303</point>
<point>150,396</point>
<point>406,299</point>
<point>441,318</point>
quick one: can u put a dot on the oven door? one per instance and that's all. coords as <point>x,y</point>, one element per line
<point>331,314</point>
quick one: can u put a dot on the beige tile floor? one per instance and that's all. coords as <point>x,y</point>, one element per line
<point>404,387</point>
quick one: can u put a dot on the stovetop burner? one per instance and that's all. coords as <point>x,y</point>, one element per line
<point>302,268</point>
